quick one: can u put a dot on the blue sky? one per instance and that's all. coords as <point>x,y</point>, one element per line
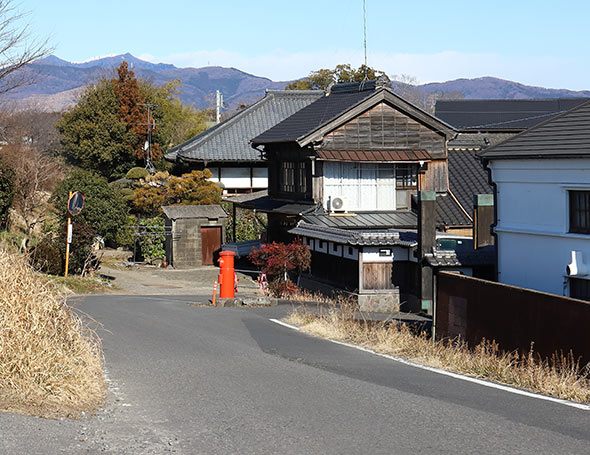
<point>534,42</point>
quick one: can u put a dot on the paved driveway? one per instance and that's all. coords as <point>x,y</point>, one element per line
<point>190,379</point>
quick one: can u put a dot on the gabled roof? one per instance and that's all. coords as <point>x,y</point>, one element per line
<point>229,140</point>
<point>337,107</point>
<point>565,136</point>
<point>175,212</point>
<point>498,115</point>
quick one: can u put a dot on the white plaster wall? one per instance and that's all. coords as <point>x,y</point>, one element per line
<point>235,177</point>
<point>532,204</point>
<point>346,252</point>
<point>335,249</point>
<point>371,254</point>
<point>260,177</point>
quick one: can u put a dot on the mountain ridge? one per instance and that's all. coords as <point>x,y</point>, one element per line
<point>60,81</point>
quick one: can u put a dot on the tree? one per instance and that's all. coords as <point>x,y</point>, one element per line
<point>93,136</point>
<point>175,122</point>
<point>106,130</point>
<point>104,208</point>
<point>17,48</point>
<point>321,79</point>
<point>193,188</point>
<point>131,111</point>
<point>35,176</point>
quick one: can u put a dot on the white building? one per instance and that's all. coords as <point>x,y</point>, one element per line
<point>542,199</point>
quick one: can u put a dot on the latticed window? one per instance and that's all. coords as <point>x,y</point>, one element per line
<point>302,177</point>
<point>579,212</point>
<point>287,181</point>
<point>406,176</point>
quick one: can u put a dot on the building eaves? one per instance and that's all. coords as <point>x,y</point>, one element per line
<point>352,237</point>
<point>175,212</point>
<point>400,219</point>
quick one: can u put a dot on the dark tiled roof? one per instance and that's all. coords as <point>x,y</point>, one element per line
<point>372,220</point>
<point>175,212</point>
<point>313,116</point>
<point>230,140</point>
<point>565,136</point>
<point>442,258</point>
<point>364,237</point>
<point>467,177</point>
<point>486,115</point>
<point>449,213</point>
<point>267,204</point>
<point>384,155</point>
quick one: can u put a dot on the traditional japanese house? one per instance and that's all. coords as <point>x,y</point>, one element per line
<point>224,149</point>
<point>343,174</point>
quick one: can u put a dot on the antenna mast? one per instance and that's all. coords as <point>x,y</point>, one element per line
<point>365,33</point>
<point>151,125</point>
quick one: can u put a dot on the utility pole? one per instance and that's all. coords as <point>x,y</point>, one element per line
<point>151,125</point>
<point>219,104</point>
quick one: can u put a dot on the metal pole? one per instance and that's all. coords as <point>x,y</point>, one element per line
<point>68,237</point>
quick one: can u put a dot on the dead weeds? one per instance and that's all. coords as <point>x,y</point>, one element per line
<point>560,376</point>
<point>51,363</point>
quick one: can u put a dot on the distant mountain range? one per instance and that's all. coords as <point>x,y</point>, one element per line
<point>59,82</point>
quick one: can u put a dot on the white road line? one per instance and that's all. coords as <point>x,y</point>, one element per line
<point>482,382</point>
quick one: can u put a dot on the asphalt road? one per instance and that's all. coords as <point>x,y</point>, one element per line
<point>200,380</point>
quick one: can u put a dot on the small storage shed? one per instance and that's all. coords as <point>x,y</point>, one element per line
<point>196,234</point>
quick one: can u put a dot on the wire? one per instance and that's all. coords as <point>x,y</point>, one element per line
<point>550,114</point>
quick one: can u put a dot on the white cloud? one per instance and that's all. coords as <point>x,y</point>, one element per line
<point>548,71</point>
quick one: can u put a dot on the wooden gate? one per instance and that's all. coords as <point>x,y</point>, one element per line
<point>210,243</point>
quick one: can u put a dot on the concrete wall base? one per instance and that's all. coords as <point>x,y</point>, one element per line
<point>382,303</point>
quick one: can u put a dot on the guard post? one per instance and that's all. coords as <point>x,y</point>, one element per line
<point>226,275</point>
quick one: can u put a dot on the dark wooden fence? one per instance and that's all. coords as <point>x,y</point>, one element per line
<point>513,316</point>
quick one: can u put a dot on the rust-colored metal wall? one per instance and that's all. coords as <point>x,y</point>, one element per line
<point>513,316</point>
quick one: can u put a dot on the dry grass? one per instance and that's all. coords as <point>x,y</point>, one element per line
<point>560,376</point>
<point>50,361</point>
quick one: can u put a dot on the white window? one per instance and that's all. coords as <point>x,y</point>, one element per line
<point>369,186</point>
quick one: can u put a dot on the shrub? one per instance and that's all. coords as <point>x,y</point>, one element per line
<point>279,261</point>
<point>125,236</point>
<point>152,238</point>
<point>82,255</point>
<point>46,257</point>
<point>137,173</point>
<point>104,208</point>
<point>6,191</point>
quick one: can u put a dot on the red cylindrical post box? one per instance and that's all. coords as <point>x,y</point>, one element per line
<point>226,275</point>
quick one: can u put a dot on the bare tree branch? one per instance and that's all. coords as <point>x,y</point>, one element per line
<point>17,48</point>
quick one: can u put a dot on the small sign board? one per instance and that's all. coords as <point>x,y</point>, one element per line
<point>75,203</point>
<point>69,232</point>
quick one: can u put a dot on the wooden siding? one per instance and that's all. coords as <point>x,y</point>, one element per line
<point>436,177</point>
<point>378,276</point>
<point>384,127</point>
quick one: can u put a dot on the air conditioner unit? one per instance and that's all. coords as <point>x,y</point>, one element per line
<point>338,204</point>
<point>577,267</point>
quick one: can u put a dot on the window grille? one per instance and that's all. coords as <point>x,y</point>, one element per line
<point>579,202</point>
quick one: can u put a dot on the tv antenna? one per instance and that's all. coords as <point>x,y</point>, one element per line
<point>147,148</point>
<point>365,35</point>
